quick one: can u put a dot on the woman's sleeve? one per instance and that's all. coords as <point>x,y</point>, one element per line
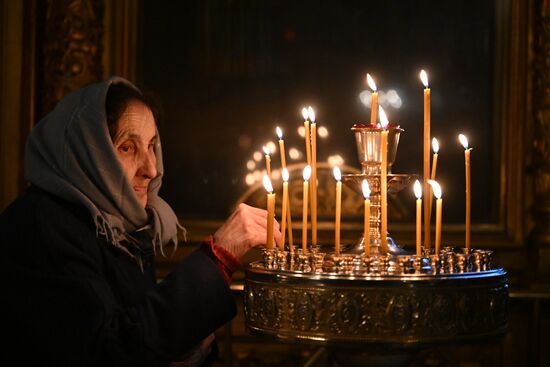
<point>61,305</point>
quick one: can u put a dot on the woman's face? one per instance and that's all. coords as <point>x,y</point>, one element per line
<point>134,142</point>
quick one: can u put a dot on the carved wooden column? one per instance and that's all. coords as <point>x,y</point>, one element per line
<point>540,236</point>
<point>71,49</point>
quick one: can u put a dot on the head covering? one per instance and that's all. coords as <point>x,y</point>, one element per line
<point>70,155</point>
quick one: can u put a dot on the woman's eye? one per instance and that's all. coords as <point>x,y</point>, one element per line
<point>127,148</point>
<point>151,146</point>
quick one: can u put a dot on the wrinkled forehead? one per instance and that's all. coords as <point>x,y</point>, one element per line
<point>137,117</point>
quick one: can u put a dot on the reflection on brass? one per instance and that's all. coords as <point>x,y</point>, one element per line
<point>414,309</point>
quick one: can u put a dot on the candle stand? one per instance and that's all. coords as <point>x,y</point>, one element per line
<point>392,299</point>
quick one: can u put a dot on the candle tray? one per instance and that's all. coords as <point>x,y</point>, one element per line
<point>381,299</point>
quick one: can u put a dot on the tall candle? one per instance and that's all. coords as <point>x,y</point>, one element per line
<point>435,148</point>
<point>270,211</point>
<point>467,151</point>
<point>366,218</point>
<point>438,208</point>
<point>426,155</point>
<point>286,214</point>
<point>267,161</point>
<point>284,209</point>
<point>418,194</point>
<point>374,100</point>
<point>307,175</point>
<point>384,181</point>
<point>313,129</point>
<point>338,177</point>
<point>282,153</point>
<point>305,114</point>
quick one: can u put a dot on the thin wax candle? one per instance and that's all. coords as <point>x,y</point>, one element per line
<point>374,100</point>
<point>338,178</point>
<point>270,211</point>
<point>467,151</point>
<point>426,155</point>
<point>384,181</point>
<point>418,194</point>
<point>307,175</point>
<point>366,219</point>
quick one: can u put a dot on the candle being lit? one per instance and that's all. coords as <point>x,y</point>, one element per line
<point>306,175</point>
<point>418,194</point>
<point>270,211</point>
<point>435,148</point>
<point>384,181</point>
<point>374,100</point>
<point>284,209</point>
<point>366,225</point>
<point>438,208</point>
<point>313,136</point>
<point>338,178</point>
<point>267,160</point>
<point>426,155</point>
<point>467,150</point>
<point>305,114</point>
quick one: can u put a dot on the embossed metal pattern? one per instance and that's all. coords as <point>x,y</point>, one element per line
<point>406,309</point>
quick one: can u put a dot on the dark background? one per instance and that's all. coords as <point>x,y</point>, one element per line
<point>228,72</point>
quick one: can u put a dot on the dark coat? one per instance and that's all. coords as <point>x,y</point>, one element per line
<point>71,299</point>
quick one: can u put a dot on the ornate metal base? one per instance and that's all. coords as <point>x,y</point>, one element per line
<point>409,309</point>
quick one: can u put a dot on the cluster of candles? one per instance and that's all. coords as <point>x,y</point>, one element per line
<point>310,184</point>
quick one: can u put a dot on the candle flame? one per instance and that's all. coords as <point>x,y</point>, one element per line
<point>383,118</point>
<point>365,188</point>
<point>266,150</point>
<point>267,184</point>
<point>463,140</point>
<point>311,114</point>
<point>304,113</point>
<point>371,83</point>
<point>417,189</point>
<point>436,188</point>
<point>285,174</point>
<point>279,132</point>
<point>307,172</point>
<point>435,145</point>
<point>424,78</point>
<point>337,173</point>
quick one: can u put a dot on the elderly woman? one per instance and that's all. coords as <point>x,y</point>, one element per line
<point>79,285</point>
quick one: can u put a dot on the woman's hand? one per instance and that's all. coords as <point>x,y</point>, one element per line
<point>244,229</point>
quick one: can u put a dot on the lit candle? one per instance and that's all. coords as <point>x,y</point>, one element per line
<point>286,214</point>
<point>313,136</point>
<point>426,155</point>
<point>270,211</point>
<point>305,114</point>
<point>366,224</point>
<point>281,146</point>
<point>384,181</point>
<point>435,148</point>
<point>464,142</point>
<point>418,194</point>
<point>374,100</point>
<point>284,209</point>
<point>307,175</point>
<point>338,177</point>
<point>438,208</point>
<point>267,161</point>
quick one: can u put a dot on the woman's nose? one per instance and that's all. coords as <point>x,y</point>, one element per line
<point>148,165</point>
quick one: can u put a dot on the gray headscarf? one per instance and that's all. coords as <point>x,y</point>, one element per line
<point>70,154</point>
